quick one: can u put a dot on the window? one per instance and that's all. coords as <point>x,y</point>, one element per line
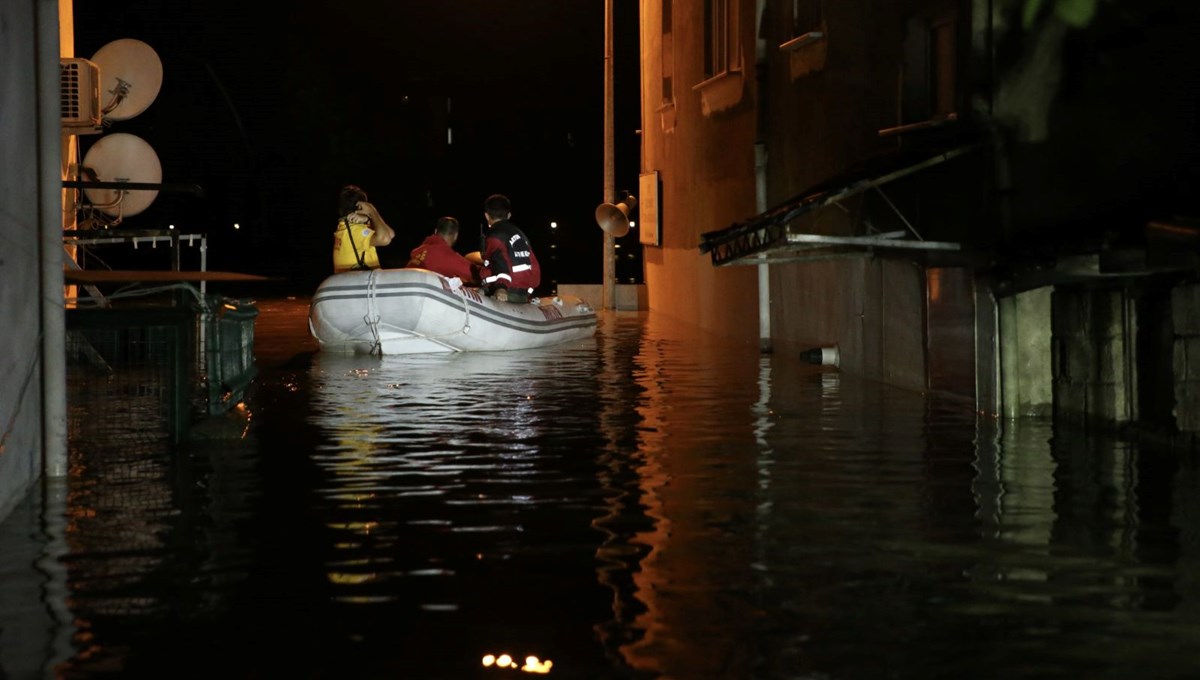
<point>928,91</point>
<point>942,55</point>
<point>806,18</point>
<point>722,52</point>
<point>928,77</point>
<point>667,63</point>
<point>668,55</point>
<point>805,43</point>
<point>723,86</point>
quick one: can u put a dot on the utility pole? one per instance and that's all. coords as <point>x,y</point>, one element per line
<point>610,191</point>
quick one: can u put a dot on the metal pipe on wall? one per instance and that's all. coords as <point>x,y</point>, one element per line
<point>760,181</point>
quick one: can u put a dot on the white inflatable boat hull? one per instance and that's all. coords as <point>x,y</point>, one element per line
<point>415,311</point>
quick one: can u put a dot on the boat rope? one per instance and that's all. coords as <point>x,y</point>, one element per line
<point>372,316</point>
<point>466,317</point>
<point>372,319</point>
<point>466,327</point>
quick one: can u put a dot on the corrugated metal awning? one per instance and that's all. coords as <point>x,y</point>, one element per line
<point>765,239</point>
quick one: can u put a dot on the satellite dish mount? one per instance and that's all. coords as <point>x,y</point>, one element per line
<point>132,73</point>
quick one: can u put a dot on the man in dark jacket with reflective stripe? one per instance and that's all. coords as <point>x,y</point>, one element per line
<point>509,263</point>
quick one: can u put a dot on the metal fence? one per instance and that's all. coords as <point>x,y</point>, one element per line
<point>146,372</point>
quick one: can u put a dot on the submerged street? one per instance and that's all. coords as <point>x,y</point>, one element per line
<point>647,503</point>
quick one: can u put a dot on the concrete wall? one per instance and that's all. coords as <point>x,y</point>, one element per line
<point>20,321</point>
<point>1104,356</point>
<point>630,297</point>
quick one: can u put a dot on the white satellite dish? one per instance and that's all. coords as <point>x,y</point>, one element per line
<point>130,77</point>
<point>122,157</point>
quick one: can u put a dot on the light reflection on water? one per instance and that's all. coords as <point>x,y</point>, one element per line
<point>645,503</point>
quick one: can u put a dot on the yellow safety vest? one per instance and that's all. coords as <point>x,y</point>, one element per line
<point>345,256</point>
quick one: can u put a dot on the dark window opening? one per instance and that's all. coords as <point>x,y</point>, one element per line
<point>806,17</point>
<point>668,59</point>
<point>928,83</point>
<point>716,32</point>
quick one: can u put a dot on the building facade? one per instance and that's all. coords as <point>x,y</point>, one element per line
<point>988,198</point>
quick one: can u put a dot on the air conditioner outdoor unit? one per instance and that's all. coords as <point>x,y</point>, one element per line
<point>80,95</point>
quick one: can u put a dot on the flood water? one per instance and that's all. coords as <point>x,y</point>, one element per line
<point>648,503</point>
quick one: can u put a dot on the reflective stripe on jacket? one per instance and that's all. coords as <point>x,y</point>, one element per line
<point>508,258</point>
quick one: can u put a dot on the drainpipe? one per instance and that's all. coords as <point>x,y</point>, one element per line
<point>998,381</point>
<point>764,270</point>
<point>760,177</point>
<point>49,141</point>
<point>1002,175</point>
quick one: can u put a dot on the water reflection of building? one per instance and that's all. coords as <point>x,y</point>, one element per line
<point>789,514</point>
<point>1086,521</point>
<point>690,489</point>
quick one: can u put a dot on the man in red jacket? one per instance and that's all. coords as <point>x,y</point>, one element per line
<point>436,253</point>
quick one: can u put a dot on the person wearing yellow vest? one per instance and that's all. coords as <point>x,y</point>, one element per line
<point>360,230</point>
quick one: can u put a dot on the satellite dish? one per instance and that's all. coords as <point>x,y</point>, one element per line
<point>614,219</point>
<point>122,157</point>
<point>130,77</point>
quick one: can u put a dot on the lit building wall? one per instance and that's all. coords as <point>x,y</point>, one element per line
<point>819,113</point>
<point>698,134</point>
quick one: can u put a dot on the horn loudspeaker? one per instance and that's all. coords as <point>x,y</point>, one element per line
<point>614,219</point>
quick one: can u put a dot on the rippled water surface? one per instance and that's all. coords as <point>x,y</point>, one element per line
<point>647,503</point>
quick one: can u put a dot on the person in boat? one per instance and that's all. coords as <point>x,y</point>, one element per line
<point>360,231</point>
<point>510,268</point>
<point>437,254</point>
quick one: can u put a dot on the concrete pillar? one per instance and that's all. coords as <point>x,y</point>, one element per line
<point>1094,373</point>
<point>1026,361</point>
<point>1185,314</point>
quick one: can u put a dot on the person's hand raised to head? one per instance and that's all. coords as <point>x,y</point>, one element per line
<point>368,209</point>
<point>383,232</point>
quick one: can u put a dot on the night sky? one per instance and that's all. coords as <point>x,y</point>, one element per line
<point>272,113</point>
